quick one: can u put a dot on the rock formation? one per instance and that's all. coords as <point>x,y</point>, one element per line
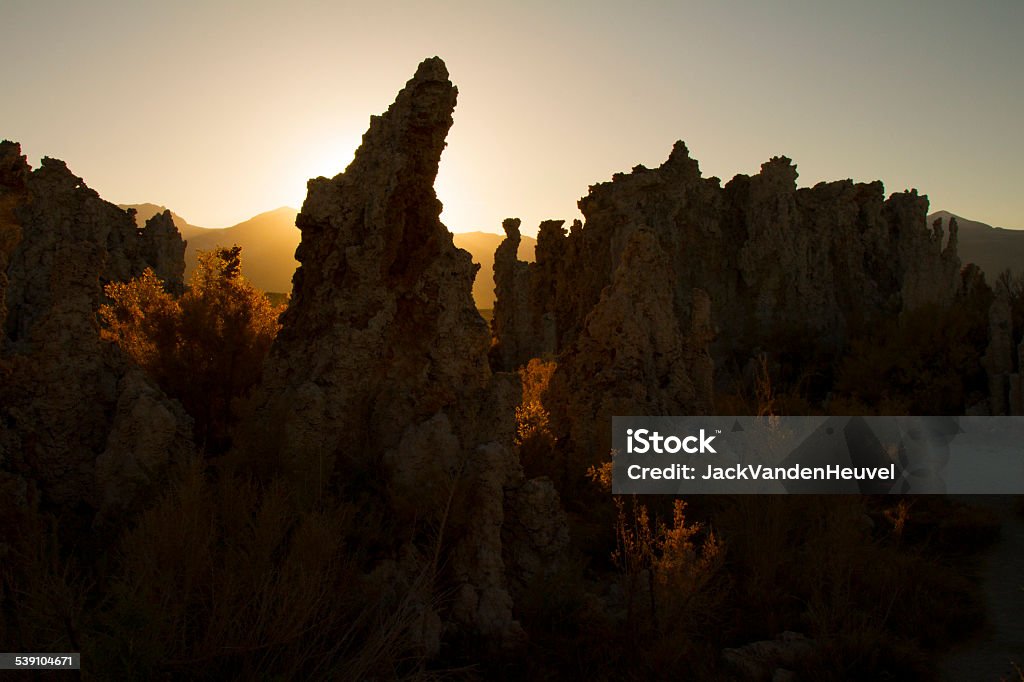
<point>670,266</point>
<point>775,260</point>
<point>631,357</point>
<point>161,247</point>
<point>69,400</point>
<point>1004,359</point>
<point>521,302</point>
<point>378,386</point>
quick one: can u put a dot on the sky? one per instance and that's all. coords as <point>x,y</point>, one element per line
<point>220,110</point>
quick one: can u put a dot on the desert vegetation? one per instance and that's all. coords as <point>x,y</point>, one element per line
<point>205,348</point>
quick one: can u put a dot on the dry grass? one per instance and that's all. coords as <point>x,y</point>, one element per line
<point>43,591</point>
<point>226,579</point>
<point>662,565</point>
<point>222,578</point>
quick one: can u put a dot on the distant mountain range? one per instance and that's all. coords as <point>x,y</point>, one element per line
<point>269,239</point>
<point>268,243</point>
<point>993,249</point>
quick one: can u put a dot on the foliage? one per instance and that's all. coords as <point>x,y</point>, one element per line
<point>205,348</point>
<point>533,432</point>
<point>838,569</point>
<point>662,560</point>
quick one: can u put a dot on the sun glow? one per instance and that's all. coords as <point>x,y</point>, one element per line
<point>330,154</point>
<point>323,155</point>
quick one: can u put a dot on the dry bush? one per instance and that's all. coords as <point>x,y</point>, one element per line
<point>536,442</point>
<point>601,475</point>
<point>143,319</point>
<point>205,348</point>
<point>43,592</point>
<point>661,564</point>
<point>762,394</point>
<point>897,516</point>
<point>648,611</point>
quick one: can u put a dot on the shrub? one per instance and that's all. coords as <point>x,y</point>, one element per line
<point>536,442</point>
<point>205,348</point>
<point>662,561</point>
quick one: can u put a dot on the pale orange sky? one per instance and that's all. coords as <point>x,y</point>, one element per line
<point>220,110</point>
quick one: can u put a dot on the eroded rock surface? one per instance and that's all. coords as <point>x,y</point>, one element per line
<point>67,397</point>
<point>1004,359</point>
<point>523,322</point>
<point>378,384</point>
<point>672,270</point>
<point>631,357</point>
<point>776,261</point>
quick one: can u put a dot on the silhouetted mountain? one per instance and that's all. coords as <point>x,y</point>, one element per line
<point>268,242</point>
<point>269,239</point>
<point>144,212</point>
<point>993,249</point>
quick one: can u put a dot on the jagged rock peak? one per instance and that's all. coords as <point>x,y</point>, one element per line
<point>777,261</point>
<point>380,368</point>
<point>14,172</point>
<point>781,172</point>
<point>431,69</point>
<point>551,232</point>
<point>389,187</point>
<point>952,243</point>
<point>511,227</point>
<point>14,169</point>
<point>377,263</point>
<point>417,123</point>
<point>680,158</point>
